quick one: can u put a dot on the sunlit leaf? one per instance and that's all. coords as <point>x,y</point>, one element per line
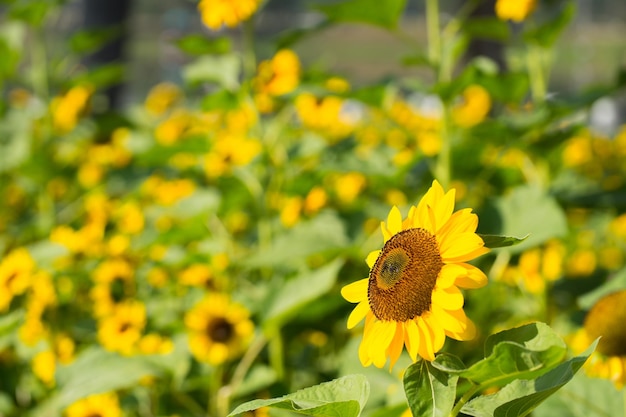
<point>220,69</point>
<point>342,397</point>
<point>522,396</point>
<point>496,241</point>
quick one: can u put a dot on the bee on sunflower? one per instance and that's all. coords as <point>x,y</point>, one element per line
<point>412,297</point>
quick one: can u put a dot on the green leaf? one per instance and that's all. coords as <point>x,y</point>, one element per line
<point>385,14</point>
<point>342,397</point>
<point>520,353</point>
<point>616,282</point>
<point>95,370</point>
<point>221,69</point>
<point>297,292</point>
<point>528,210</point>
<point>497,241</point>
<point>201,45</point>
<point>87,41</point>
<point>429,390</point>
<point>548,33</point>
<point>522,396</point>
<point>584,396</point>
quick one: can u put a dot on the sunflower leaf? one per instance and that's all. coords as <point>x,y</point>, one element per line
<point>429,390</point>
<point>498,241</point>
<point>385,14</point>
<point>522,396</point>
<point>345,396</point>
<point>520,353</point>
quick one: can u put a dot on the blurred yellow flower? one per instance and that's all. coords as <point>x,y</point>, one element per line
<point>33,330</point>
<point>337,84</point>
<point>278,75</point>
<point>16,270</point>
<point>228,152</point>
<point>196,275</point>
<point>219,329</point>
<point>43,365</point>
<point>64,348</point>
<point>349,186</point>
<point>606,321</point>
<point>536,267</point>
<point>473,108</point>
<point>155,344</point>
<point>515,10</point>
<point>121,330</point>
<point>216,13</point>
<point>323,115</point>
<point>157,277</point>
<point>129,218</point>
<point>98,405</point>
<point>290,211</point>
<point>581,263</point>
<point>161,98</point>
<point>67,109</point>
<point>171,130</point>
<point>315,200</point>
<point>577,151</point>
<point>412,295</point>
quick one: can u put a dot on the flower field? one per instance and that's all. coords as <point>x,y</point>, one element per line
<point>269,237</point>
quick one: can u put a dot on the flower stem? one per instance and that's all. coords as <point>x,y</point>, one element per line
<point>432,26</point>
<point>464,399</point>
<point>442,170</point>
<point>215,383</point>
<point>536,73</point>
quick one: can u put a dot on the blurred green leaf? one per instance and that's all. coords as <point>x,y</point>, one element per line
<point>548,33</point>
<point>223,100</point>
<point>584,396</point>
<point>259,377</point>
<point>32,12</point>
<point>9,323</point>
<point>496,241</point>
<point>103,76</point>
<point>296,293</point>
<point>88,41</point>
<point>342,397</point>
<point>487,28</point>
<point>429,390</point>
<point>325,232</point>
<point>528,210</point>
<point>201,45</point>
<point>616,282</point>
<point>221,69</point>
<point>521,353</point>
<point>522,396</point>
<point>385,14</point>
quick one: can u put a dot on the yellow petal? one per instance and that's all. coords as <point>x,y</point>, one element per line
<point>395,348</point>
<point>394,220</point>
<point>439,335</point>
<point>449,274</point>
<point>468,256</point>
<point>463,221</point>
<point>382,335</point>
<point>449,298</point>
<point>412,338</point>
<point>467,334</point>
<point>451,321</point>
<point>371,258</point>
<point>473,278</point>
<point>355,292</point>
<point>358,314</point>
<point>441,205</point>
<point>386,233</point>
<point>364,357</point>
<point>426,350</point>
<point>459,245</point>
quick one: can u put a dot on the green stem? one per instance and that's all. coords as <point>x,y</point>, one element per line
<point>276,353</point>
<point>442,169</point>
<point>536,73</point>
<point>215,384</point>
<point>226,392</point>
<point>432,27</point>
<point>249,55</point>
<point>464,399</point>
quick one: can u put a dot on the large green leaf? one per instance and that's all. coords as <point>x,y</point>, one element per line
<point>519,353</point>
<point>297,292</point>
<point>380,13</point>
<point>342,397</point>
<point>528,210</point>
<point>221,69</point>
<point>522,396</point>
<point>429,390</point>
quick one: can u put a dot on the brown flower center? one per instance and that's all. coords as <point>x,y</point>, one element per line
<point>606,318</point>
<point>220,330</point>
<point>403,277</point>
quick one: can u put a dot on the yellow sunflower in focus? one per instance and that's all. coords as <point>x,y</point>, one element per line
<point>216,13</point>
<point>411,297</point>
<point>218,329</point>
<point>606,320</point>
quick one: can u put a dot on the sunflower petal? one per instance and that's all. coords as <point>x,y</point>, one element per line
<point>449,274</point>
<point>449,298</point>
<point>459,245</point>
<point>364,357</point>
<point>467,334</point>
<point>358,314</point>
<point>371,258</point>
<point>439,335</point>
<point>356,291</point>
<point>395,348</point>
<point>468,256</point>
<point>394,220</point>
<point>412,338</point>
<point>451,321</point>
<point>474,277</point>
<point>382,335</point>
<point>462,221</point>
<point>426,350</point>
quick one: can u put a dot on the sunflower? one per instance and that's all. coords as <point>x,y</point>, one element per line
<point>97,405</point>
<point>411,297</point>
<point>219,329</point>
<point>606,320</point>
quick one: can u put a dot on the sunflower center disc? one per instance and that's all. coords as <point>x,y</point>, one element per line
<point>403,277</point>
<point>606,319</point>
<point>220,330</point>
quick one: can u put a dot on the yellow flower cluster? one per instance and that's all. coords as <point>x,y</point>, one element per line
<point>473,108</point>
<point>67,109</point>
<point>216,13</point>
<point>515,10</point>
<point>537,267</point>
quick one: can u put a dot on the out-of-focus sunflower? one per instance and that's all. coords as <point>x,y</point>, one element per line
<point>412,295</point>
<point>100,405</point>
<point>216,13</point>
<point>606,320</point>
